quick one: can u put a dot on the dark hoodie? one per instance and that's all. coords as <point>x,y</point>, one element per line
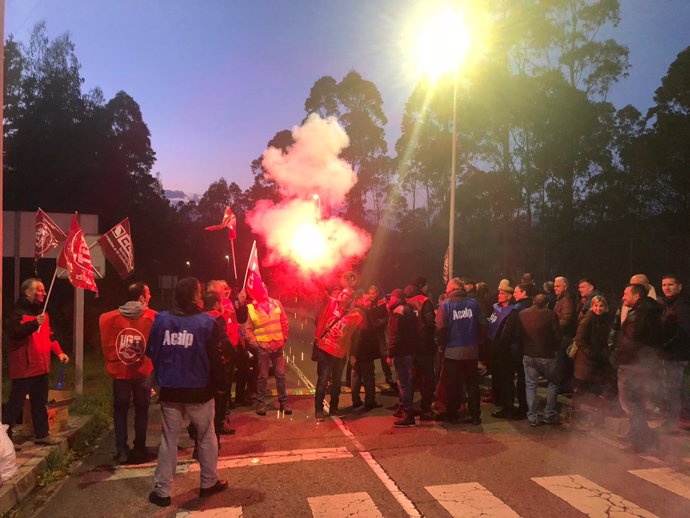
<point>402,329</point>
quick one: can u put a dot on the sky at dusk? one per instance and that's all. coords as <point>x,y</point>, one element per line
<point>216,79</point>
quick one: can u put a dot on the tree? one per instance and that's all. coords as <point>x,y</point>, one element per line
<point>358,106</point>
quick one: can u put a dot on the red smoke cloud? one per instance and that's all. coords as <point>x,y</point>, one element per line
<point>293,229</point>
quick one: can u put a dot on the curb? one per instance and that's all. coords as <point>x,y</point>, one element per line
<point>28,473</point>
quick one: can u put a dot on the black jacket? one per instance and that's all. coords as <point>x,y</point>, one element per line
<point>640,334</point>
<point>675,324</point>
<point>402,331</point>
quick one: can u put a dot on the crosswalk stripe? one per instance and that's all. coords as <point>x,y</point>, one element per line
<point>667,478</point>
<point>218,512</point>
<point>235,461</point>
<point>470,500</point>
<point>591,499</point>
<point>348,505</point>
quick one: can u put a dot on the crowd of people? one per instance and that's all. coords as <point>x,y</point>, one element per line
<point>635,358</point>
<point>213,340</point>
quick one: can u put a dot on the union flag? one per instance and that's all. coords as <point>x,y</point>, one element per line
<point>118,247</point>
<point>76,259</point>
<point>229,222</point>
<point>253,282</point>
<point>48,235</point>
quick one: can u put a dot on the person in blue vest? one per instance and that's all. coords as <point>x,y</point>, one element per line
<point>459,326</point>
<point>184,349</point>
<point>502,331</point>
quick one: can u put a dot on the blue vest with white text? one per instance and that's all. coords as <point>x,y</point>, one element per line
<point>497,317</point>
<point>463,322</point>
<point>177,347</point>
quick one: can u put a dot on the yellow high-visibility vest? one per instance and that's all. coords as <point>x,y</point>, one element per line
<point>266,325</point>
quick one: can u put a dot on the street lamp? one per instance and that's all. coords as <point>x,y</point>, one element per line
<point>227,261</point>
<point>188,264</point>
<point>443,43</point>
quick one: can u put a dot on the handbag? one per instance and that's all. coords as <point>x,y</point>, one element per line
<point>572,349</point>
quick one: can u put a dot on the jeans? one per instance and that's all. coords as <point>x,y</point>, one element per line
<point>632,394</point>
<point>424,375</point>
<point>140,391</point>
<point>37,389</point>
<point>403,369</point>
<point>267,357</point>
<point>563,370</point>
<point>461,375</point>
<point>328,367</point>
<point>674,372</point>
<point>363,375</point>
<point>201,416</point>
<point>534,368</point>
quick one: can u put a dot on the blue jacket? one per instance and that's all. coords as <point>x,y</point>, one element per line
<point>458,324</point>
<point>178,348</point>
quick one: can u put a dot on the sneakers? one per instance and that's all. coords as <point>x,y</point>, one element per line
<point>427,416</point>
<point>141,456</point>
<point>286,409</point>
<point>502,414</point>
<point>220,485</point>
<point>554,421</point>
<point>371,406</point>
<point>320,416</point>
<point>261,409</point>
<point>48,440</point>
<point>335,412</point>
<point>121,457</point>
<point>405,422</point>
<point>160,501</point>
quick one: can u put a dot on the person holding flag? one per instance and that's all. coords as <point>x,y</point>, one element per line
<point>30,345</point>
<point>265,332</point>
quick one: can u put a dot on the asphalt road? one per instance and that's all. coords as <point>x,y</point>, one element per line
<point>360,466</point>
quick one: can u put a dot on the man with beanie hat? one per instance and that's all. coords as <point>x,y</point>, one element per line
<point>458,331</point>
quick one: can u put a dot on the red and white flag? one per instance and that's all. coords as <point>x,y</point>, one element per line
<point>229,222</point>
<point>48,235</point>
<point>76,259</point>
<point>118,248</point>
<point>253,283</point>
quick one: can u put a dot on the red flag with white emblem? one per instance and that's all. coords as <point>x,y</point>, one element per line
<point>229,222</point>
<point>252,280</point>
<point>117,246</point>
<point>48,235</point>
<point>76,259</point>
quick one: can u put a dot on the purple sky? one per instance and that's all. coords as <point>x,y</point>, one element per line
<point>216,79</point>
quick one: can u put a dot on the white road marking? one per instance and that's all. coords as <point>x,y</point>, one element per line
<point>470,500</point>
<point>348,505</point>
<point>234,461</point>
<point>591,499</point>
<point>378,470</point>
<point>667,478</point>
<point>218,512</point>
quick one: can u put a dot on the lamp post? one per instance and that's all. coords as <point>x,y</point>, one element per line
<point>442,45</point>
<point>227,261</point>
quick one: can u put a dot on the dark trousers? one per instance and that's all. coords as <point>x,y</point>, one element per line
<point>403,368</point>
<point>383,351</point>
<point>563,375</point>
<point>506,369</point>
<point>328,367</point>
<point>363,376</point>
<point>459,373</point>
<point>140,391</point>
<point>424,377</point>
<point>37,389</point>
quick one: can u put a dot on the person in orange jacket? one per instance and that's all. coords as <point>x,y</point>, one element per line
<point>124,336</point>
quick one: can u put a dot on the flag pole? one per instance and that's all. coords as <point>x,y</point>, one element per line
<point>50,290</point>
<point>234,264</point>
<point>250,258</point>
